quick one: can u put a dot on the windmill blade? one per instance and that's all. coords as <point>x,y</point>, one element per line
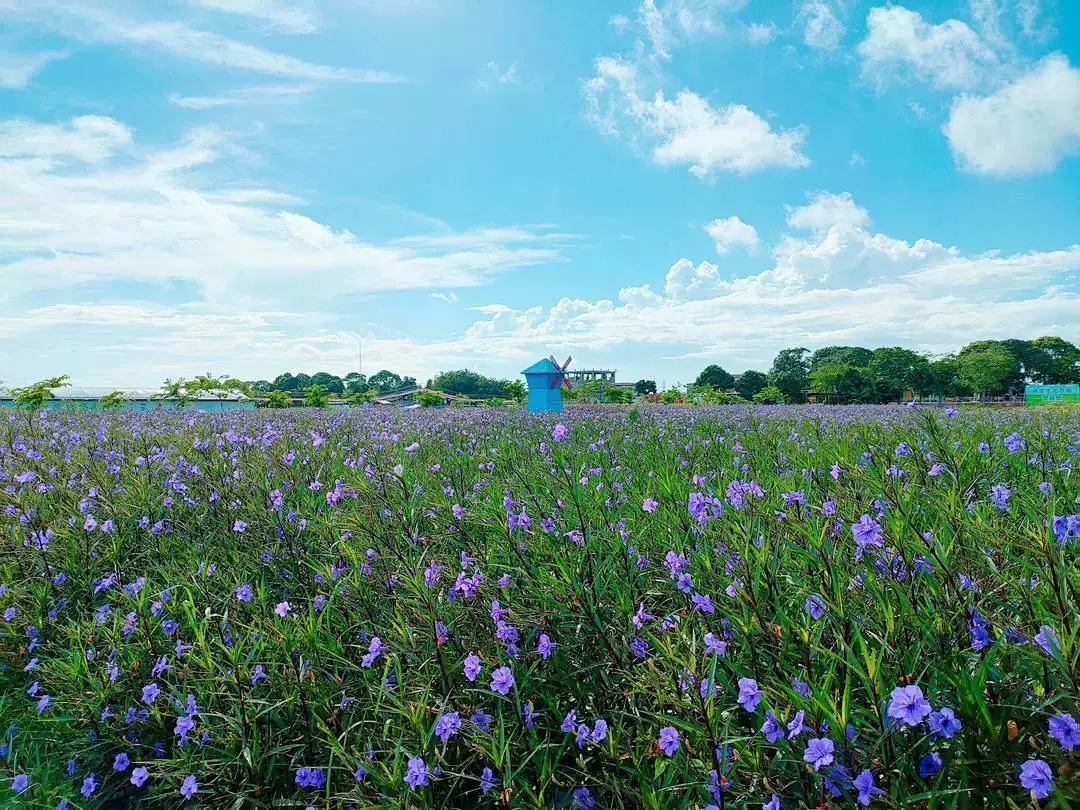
<point>567,363</point>
<point>567,383</point>
<point>556,379</point>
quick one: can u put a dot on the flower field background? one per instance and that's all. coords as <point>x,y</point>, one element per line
<point>782,607</point>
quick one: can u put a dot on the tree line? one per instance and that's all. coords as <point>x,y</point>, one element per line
<point>854,374</point>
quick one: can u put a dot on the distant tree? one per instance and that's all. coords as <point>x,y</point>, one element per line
<point>428,399</point>
<point>715,377</point>
<point>515,390</point>
<point>175,391</point>
<point>988,371</point>
<point>315,396</point>
<point>221,387</point>
<point>672,396</point>
<point>618,395</point>
<point>1058,361</point>
<point>355,383</point>
<point>112,400</point>
<point>893,369</point>
<point>942,377</point>
<point>469,384</point>
<point>277,399</point>
<point>645,387</point>
<point>769,395</point>
<point>260,386</point>
<point>750,382</point>
<point>34,396</point>
<point>592,391</point>
<point>847,383</point>
<point>286,382</point>
<point>841,355</point>
<point>385,382</point>
<point>790,373</point>
<point>330,382</point>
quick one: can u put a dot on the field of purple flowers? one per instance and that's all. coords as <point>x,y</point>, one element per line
<point>700,608</point>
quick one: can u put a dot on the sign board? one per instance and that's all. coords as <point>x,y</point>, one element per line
<point>1041,394</point>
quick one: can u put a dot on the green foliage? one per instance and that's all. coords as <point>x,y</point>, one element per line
<point>790,373</point>
<point>34,396</point>
<point>988,370</point>
<point>715,377</point>
<point>428,399</point>
<point>672,396</point>
<point>643,387</point>
<point>475,386</point>
<point>843,383</point>
<point>316,396</point>
<point>114,399</point>
<point>855,356</point>
<point>708,395</point>
<point>749,383</point>
<point>277,399</point>
<point>769,395</point>
<point>331,382</point>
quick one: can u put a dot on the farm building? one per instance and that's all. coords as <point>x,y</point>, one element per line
<point>407,399</point>
<point>138,399</point>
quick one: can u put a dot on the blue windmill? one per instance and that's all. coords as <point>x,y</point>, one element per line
<point>546,379</point>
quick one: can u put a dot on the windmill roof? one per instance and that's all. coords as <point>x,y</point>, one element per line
<point>544,366</point>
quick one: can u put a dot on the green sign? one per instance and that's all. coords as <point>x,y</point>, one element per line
<point>1041,394</point>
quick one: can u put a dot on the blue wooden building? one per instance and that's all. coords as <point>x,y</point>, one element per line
<point>545,381</point>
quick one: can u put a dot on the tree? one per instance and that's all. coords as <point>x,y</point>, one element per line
<point>841,355</point>
<point>516,390</point>
<point>469,384</point>
<point>34,396</point>
<point>715,377</point>
<point>261,386</point>
<point>428,399</point>
<point>286,382</point>
<point>618,395</point>
<point>769,395</point>
<point>330,382</point>
<point>593,391</point>
<point>277,399</point>
<point>1058,361</point>
<point>355,383</point>
<point>385,382</point>
<point>893,369</point>
<point>988,371</point>
<point>112,400</point>
<point>845,382</point>
<point>221,386</point>
<point>942,376</point>
<point>790,373</point>
<point>645,387</point>
<point>749,383</point>
<point>315,397</point>
<point>175,391</point>
<point>672,396</point>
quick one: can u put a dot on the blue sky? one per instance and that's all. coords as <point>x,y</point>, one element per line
<point>252,186</point>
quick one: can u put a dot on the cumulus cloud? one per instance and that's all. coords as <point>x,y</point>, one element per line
<point>688,130</point>
<point>822,28</point>
<point>947,55</point>
<point>732,232</point>
<point>1026,127</point>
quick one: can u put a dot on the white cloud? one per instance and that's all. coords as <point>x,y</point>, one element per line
<point>688,130</point>
<point>825,210</point>
<point>494,76</point>
<point>761,33</point>
<point>822,28</point>
<point>18,69</point>
<point>292,16</point>
<point>450,297</point>
<point>83,203</point>
<point>1026,127</point>
<point>243,97</point>
<point>856,160</point>
<point>948,55</point>
<point>669,25</point>
<point>732,232</point>
<point>93,24</point>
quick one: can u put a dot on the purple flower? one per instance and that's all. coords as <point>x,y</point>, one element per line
<point>864,783</point>
<point>599,732</point>
<point>189,787</point>
<point>771,804</point>
<point>375,649</point>
<point>282,608</point>
<point>702,603</point>
<point>908,705</point>
<point>867,532</point>
<point>749,694</point>
<point>1047,640</point>
<point>797,725</point>
<point>545,645</point>
<point>669,740</point>
<point>416,773</point>
<point>121,762</point>
<point>1065,729</point>
<point>487,780</point>
<point>482,720</point>
<point>139,776</point>
<point>581,799</point>
<point>560,432</point>
<point>1014,443</point>
<point>569,722</point>
<point>819,752</point>
<point>471,666</point>
<point>448,724</point>
<point>999,496</point>
<point>649,505</point>
<point>944,723</point>
<point>1036,776</point>
<point>20,783</point>
<point>89,785</point>
<point>310,777</point>
<point>715,646</point>
<point>258,675</point>
<point>771,728</point>
<point>929,765</point>
<point>639,647</point>
<point>244,593</point>
<point>150,692</point>
<point>815,607</point>
<point>502,680</point>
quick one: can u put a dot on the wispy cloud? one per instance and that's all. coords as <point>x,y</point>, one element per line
<point>292,16</point>
<point>245,96</point>
<point>18,69</point>
<point>93,24</point>
<point>495,76</point>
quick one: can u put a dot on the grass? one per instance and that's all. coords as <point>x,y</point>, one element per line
<point>129,540</point>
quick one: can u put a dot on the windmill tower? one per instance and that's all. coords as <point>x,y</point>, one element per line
<point>546,379</point>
